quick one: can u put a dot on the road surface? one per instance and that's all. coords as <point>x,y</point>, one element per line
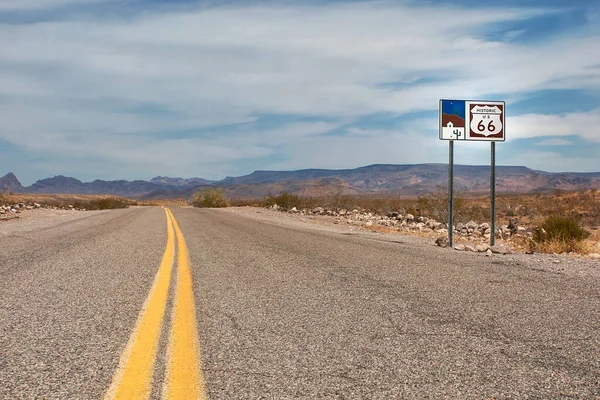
<point>192,303</point>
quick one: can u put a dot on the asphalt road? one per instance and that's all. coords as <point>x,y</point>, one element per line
<point>283,312</point>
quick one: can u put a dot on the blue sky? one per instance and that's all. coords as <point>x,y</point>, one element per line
<point>132,89</point>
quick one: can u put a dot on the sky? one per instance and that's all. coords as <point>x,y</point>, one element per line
<point>131,89</point>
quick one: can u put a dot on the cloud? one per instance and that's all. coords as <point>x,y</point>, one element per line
<point>21,5</point>
<point>115,88</point>
<point>512,35</point>
<point>584,125</point>
<point>555,142</point>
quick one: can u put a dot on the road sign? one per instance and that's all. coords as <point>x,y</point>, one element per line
<point>476,120</point>
<point>485,120</point>
<point>472,120</point>
<point>452,119</point>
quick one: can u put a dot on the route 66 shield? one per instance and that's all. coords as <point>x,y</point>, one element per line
<point>486,121</point>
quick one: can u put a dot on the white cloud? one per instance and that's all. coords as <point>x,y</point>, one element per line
<point>585,125</point>
<point>20,5</point>
<point>69,87</point>
<point>512,35</point>
<point>555,142</point>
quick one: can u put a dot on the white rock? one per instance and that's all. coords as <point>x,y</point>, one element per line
<point>459,247</point>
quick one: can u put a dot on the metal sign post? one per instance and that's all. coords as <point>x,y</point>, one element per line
<point>450,192</point>
<point>474,120</point>
<point>493,195</point>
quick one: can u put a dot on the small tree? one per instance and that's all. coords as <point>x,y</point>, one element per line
<point>211,198</point>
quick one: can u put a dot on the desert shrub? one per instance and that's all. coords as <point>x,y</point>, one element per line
<point>108,203</point>
<point>435,205</point>
<point>284,200</point>
<point>559,234</point>
<point>561,228</point>
<point>211,198</point>
<point>237,202</point>
<point>338,202</point>
<point>558,246</point>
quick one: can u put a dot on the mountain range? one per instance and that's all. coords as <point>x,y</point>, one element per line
<point>378,179</point>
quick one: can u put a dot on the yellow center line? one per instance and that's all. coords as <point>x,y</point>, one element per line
<point>133,377</point>
<point>184,378</point>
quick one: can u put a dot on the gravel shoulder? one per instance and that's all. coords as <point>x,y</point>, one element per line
<point>575,265</point>
<point>42,218</point>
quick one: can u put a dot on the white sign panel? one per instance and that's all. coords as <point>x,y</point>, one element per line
<point>485,120</point>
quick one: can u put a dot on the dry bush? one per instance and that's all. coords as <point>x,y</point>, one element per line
<point>582,205</point>
<point>559,234</point>
<point>288,201</point>
<point>558,246</point>
<point>211,198</point>
<point>235,202</point>
<point>108,203</point>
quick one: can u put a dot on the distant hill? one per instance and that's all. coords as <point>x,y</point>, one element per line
<point>166,181</point>
<point>375,179</point>
<point>10,183</point>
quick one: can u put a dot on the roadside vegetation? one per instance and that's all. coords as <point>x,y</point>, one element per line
<point>210,198</point>
<point>108,203</point>
<point>560,234</point>
<point>530,208</point>
<point>559,222</point>
<point>67,201</point>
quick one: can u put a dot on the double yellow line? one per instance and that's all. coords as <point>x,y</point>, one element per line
<point>183,376</point>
